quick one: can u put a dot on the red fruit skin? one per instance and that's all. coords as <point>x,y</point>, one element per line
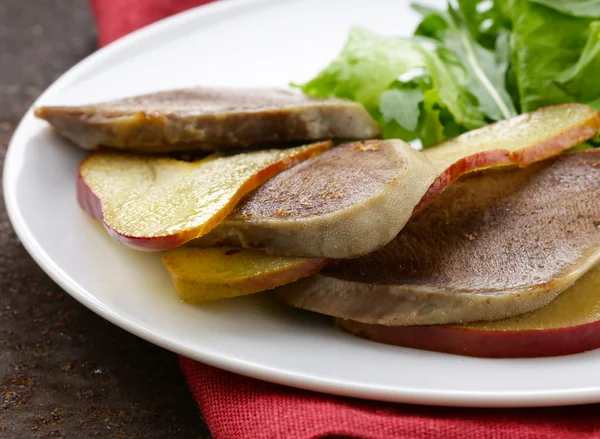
<point>92,204</point>
<point>309,267</point>
<point>524,157</point>
<point>476,161</point>
<point>482,343</point>
<point>88,200</point>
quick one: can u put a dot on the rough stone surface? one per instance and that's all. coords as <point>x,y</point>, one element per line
<point>65,372</point>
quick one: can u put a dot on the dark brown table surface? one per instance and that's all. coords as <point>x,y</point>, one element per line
<point>64,371</point>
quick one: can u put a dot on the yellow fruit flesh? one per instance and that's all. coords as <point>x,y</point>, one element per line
<point>148,197</point>
<point>201,274</point>
<point>577,305</point>
<point>548,129</point>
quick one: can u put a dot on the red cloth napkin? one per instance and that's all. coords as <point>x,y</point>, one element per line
<point>116,18</point>
<point>238,407</point>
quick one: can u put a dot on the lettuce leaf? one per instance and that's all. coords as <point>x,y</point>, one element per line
<point>398,105</point>
<point>581,79</point>
<point>576,8</point>
<point>367,65</point>
<point>553,55</point>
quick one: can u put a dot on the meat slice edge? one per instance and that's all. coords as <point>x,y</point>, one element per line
<point>493,245</point>
<point>209,119</point>
<point>344,203</point>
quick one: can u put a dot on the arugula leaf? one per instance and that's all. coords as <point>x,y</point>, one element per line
<point>505,66</point>
<point>484,20</point>
<point>448,79</point>
<point>485,73</point>
<point>576,8</point>
<point>546,46</point>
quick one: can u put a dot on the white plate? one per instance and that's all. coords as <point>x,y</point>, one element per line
<point>242,43</point>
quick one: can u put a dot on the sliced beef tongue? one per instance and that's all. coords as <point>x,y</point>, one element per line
<point>208,119</point>
<point>346,202</point>
<point>493,245</point>
<point>568,325</point>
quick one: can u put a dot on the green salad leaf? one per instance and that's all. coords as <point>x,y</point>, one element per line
<point>553,55</point>
<point>367,65</point>
<point>398,104</point>
<point>384,74</point>
<point>576,8</point>
<point>484,72</point>
<point>476,62</point>
<point>485,20</point>
<point>581,79</point>
<point>596,105</point>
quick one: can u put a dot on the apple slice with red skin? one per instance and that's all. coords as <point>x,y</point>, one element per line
<point>157,203</point>
<point>568,325</point>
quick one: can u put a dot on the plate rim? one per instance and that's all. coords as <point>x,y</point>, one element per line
<point>253,370</point>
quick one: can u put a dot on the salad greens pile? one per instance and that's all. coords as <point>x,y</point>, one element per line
<point>474,63</point>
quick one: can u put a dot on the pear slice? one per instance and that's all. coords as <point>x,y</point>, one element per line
<point>202,274</point>
<point>154,203</point>
<point>493,245</point>
<point>569,324</point>
<point>356,198</point>
<point>521,140</point>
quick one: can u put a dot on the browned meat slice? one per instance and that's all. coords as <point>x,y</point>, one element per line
<point>208,119</point>
<point>493,245</point>
<point>346,202</point>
